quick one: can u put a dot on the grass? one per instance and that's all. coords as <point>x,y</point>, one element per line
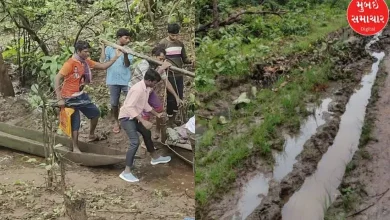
<point>230,57</point>
<point>217,168</point>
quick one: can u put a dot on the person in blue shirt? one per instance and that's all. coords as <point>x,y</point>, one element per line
<point>119,74</point>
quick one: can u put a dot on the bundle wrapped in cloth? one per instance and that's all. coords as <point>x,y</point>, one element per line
<point>182,136</point>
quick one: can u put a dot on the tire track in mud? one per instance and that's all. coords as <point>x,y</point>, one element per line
<point>367,177</point>
<point>314,148</point>
<point>279,194</point>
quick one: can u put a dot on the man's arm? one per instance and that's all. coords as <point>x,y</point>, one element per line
<point>171,89</point>
<point>158,115</point>
<point>102,54</point>
<point>161,70</point>
<point>104,66</point>
<point>64,71</point>
<point>184,55</point>
<point>126,60</point>
<point>57,85</point>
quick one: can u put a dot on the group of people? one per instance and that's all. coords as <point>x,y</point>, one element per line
<point>141,100</point>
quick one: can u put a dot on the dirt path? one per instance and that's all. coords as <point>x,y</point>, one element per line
<point>164,192</point>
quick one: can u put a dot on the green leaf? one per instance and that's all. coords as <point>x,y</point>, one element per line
<point>45,66</point>
<point>34,88</point>
<point>53,68</point>
<point>46,58</point>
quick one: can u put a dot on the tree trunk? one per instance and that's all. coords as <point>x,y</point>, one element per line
<point>215,14</point>
<point>6,88</point>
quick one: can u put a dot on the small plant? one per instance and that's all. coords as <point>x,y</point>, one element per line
<point>349,198</point>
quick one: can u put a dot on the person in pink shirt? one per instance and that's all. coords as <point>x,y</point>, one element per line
<point>130,117</point>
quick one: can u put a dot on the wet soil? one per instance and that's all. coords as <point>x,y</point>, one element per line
<point>164,192</point>
<point>367,179</point>
<point>224,207</point>
<point>308,160</point>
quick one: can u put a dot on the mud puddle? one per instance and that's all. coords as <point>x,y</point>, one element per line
<point>293,145</point>
<point>257,187</point>
<point>319,190</point>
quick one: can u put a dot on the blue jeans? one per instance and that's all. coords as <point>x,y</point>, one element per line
<point>131,127</point>
<point>115,93</point>
<point>81,103</point>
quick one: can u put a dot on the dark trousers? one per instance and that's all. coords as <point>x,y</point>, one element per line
<point>131,127</point>
<point>178,85</point>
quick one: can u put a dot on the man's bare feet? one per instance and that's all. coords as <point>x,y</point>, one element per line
<point>92,138</point>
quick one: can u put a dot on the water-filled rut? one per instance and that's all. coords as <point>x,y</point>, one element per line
<point>320,189</point>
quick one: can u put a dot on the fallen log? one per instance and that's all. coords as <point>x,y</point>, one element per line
<point>130,51</point>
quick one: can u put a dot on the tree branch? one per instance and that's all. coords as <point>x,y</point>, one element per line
<point>85,24</point>
<point>32,33</point>
<point>235,18</point>
<point>26,26</point>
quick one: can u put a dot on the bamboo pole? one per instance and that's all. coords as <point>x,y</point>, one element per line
<point>130,51</point>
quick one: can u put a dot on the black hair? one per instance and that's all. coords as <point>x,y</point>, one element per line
<point>124,32</point>
<point>81,45</point>
<point>152,75</point>
<point>158,49</point>
<point>173,28</point>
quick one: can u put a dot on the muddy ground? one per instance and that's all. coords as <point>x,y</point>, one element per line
<point>339,91</point>
<point>365,188</point>
<point>164,192</point>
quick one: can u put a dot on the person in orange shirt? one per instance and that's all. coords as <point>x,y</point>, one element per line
<point>76,72</point>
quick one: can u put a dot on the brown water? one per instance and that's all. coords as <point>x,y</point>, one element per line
<point>257,187</point>
<point>320,189</point>
<point>293,145</point>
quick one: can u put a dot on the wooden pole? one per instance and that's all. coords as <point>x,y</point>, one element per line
<point>130,51</point>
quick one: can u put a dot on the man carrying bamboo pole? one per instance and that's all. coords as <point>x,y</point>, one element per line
<point>176,54</point>
<point>158,53</point>
<point>119,74</point>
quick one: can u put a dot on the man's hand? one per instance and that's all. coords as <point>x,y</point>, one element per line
<point>166,64</point>
<point>118,53</point>
<point>160,115</point>
<point>61,103</point>
<point>179,102</point>
<point>123,51</point>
